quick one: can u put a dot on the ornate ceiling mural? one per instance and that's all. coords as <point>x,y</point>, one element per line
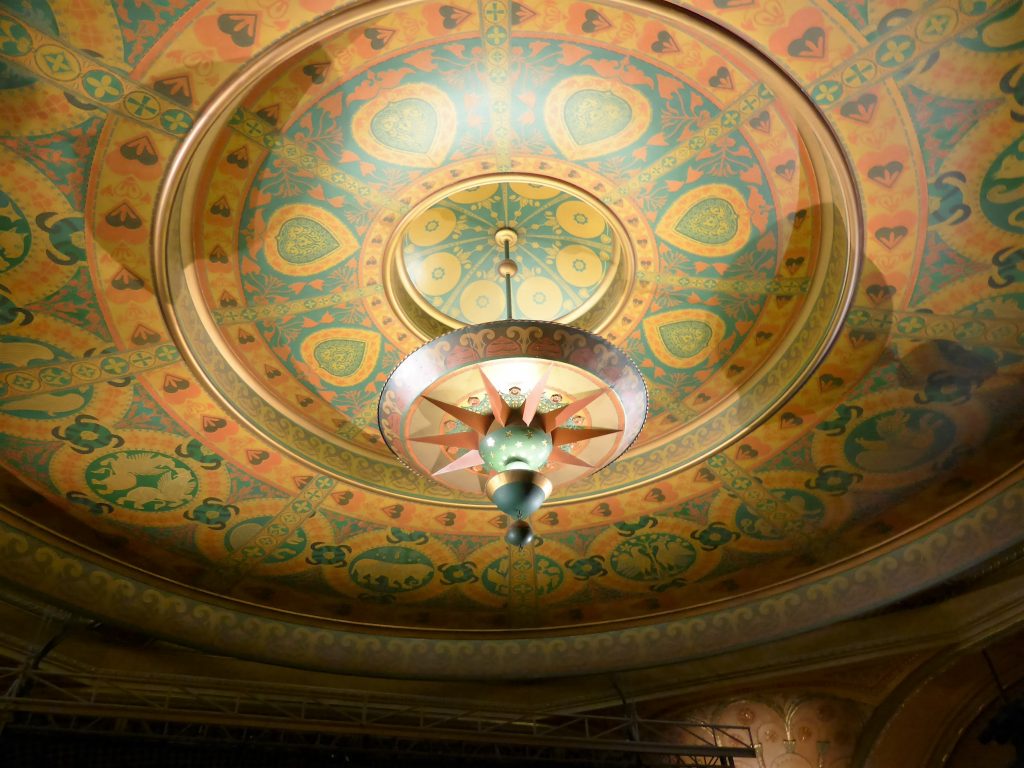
<point>221,230</point>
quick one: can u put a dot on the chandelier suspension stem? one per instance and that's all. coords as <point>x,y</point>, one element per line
<point>508,287</point>
<point>507,237</point>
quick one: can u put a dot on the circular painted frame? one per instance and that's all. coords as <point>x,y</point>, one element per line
<point>808,338</point>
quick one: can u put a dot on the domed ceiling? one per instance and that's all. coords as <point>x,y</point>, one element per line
<point>221,229</point>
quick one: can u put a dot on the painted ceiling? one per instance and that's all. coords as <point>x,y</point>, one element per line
<point>222,227</point>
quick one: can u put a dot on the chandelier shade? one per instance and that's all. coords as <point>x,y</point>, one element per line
<point>512,409</point>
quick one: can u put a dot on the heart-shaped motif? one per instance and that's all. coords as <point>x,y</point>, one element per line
<point>227,300</point>
<point>790,419</point>
<point>721,79</point>
<point>256,457</point>
<point>393,511</point>
<point>551,518</point>
<point>655,495</point>
<point>793,264</point>
<point>272,373</point>
<point>746,452</point>
<point>178,88</point>
<point>126,280</point>
<point>244,337</point>
<point>705,475</point>
<point>271,113</point>
<point>878,293</point>
<point>174,384</point>
<point>664,43</point>
<point>144,335</point>
<point>521,13</point>
<point>762,336</point>
<point>592,115</point>
<point>761,122</point>
<point>221,208</point>
<point>890,236</point>
<point>447,519</point>
<point>212,424</point>
<point>140,149</point>
<point>123,216</point>
<point>886,174</point>
<point>317,71</point>
<point>218,255</point>
<point>810,45</point>
<point>859,337</point>
<point>602,510</point>
<point>861,109</point>
<point>451,16</point>
<point>378,38</point>
<point>827,382</point>
<point>593,22</point>
<point>408,125</point>
<point>239,157</point>
<point>240,27</point>
<point>786,170</point>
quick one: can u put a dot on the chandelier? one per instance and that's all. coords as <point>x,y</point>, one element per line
<point>512,408</point>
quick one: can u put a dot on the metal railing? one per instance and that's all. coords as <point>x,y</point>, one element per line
<point>83,701</point>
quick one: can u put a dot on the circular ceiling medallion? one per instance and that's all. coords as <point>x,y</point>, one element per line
<point>718,248</point>
<point>568,249</point>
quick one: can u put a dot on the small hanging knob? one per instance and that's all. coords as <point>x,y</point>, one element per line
<point>507,268</point>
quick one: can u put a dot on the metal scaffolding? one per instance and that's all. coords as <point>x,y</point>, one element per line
<point>212,710</point>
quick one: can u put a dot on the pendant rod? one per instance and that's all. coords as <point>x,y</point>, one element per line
<point>508,287</point>
<point>507,237</point>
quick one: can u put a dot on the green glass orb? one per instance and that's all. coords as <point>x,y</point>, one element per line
<point>519,534</point>
<point>515,446</point>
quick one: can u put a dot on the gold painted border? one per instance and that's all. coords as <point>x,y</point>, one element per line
<point>38,560</point>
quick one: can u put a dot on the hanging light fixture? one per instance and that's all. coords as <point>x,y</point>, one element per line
<point>512,408</point>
